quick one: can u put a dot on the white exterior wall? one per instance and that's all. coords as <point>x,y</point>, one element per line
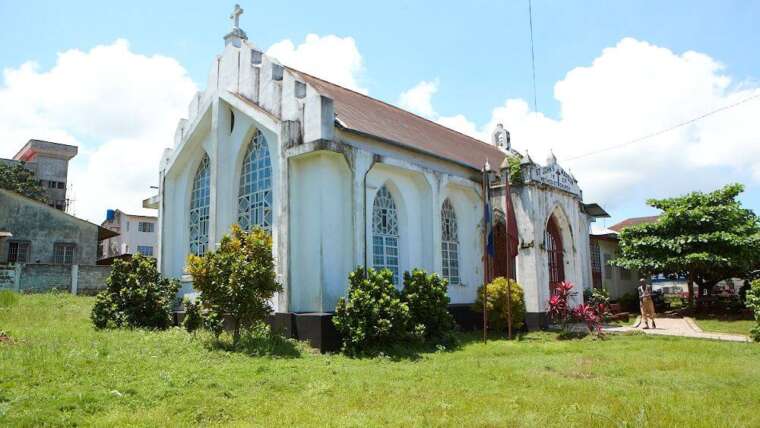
<point>615,284</point>
<point>318,189</point>
<point>533,206</point>
<point>130,237</point>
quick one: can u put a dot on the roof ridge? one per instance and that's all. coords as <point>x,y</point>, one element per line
<point>394,107</point>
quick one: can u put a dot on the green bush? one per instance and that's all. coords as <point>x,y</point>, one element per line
<point>629,302</point>
<point>238,279</point>
<point>372,314</point>
<point>428,305</point>
<point>135,296</point>
<point>193,317</point>
<point>497,304</point>
<point>753,302</point>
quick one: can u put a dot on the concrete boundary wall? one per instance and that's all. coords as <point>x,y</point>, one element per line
<point>40,278</point>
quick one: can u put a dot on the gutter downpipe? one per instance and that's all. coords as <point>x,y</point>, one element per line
<point>375,159</point>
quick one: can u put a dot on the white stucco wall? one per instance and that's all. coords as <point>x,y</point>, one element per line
<point>533,207</point>
<point>612,277</point>
<point>318,192</point>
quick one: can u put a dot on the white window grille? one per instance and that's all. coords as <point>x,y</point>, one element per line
<point>199,208</point>
<point>145,226</point>
<point>385,234</point>
<point>63,254</point>
<point>449,243</point>
<point>255,194</point>
<point>145,250</point>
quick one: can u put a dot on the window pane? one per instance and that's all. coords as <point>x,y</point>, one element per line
<point>199,208</point>
<point>255,190</point>
<point>385,233</point>
<point>449,243</point>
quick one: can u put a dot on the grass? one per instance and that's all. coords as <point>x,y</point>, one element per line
<point>725,324</point>
<point>59,371</point>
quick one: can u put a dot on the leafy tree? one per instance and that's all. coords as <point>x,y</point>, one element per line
<point>18,179</point>
<point>705,236</point>
<point>238,279</point>
<point>135,296</point>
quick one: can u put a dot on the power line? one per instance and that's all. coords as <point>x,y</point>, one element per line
<point>532,56</point>
<point>666,130</point>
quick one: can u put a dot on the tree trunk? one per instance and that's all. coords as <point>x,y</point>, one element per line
<point>236,332</point>
<point>691,291</point>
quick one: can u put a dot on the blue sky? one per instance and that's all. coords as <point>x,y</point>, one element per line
<point>478,53</point>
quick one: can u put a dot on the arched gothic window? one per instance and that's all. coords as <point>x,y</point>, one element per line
<point>554,253</point>
<point>255,195</point>
<point>385,233</point>
<point>199,208</point>
<point>449,243</point>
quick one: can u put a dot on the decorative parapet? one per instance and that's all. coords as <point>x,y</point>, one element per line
<point>551,175</point>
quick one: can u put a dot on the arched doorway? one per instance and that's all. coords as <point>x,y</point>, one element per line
<point>553,244</point>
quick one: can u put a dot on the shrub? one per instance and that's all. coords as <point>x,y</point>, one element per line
<point>629,302</point>
<point>193,317</point>
<point>753,302</point>
<point>135,296</point>
<point>238,279</point>
<point>497,304</point>
<point>428,304</point>
<point>599,300</point>
<point>372,314</point>
<point>589,315</point>
<point>559,304</point>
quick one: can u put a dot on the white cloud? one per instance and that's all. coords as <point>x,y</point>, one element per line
<point>630,90</point>
<point>418,99</point>
<point>119,107</point>
<point>333,58</point>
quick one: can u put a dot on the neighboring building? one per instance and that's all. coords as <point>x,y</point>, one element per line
<point>48,248</point>
<point>604,249</point>
<point>618,227</point>
<point>50,164</point>
<point>136,234</point>
<point>341,179</point>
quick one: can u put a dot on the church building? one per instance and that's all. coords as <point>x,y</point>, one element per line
<point>344,180</point>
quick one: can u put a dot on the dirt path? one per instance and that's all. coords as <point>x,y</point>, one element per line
<point>684,327</point>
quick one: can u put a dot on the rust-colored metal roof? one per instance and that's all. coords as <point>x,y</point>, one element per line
<point>369,116</point>
<point>633,221</point>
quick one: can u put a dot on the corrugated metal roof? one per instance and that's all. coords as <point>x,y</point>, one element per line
<point>366,115</point>
<point>633,221</point>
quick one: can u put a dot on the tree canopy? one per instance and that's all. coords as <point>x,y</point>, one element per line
<point>705,236</point>
<point>18,179</point>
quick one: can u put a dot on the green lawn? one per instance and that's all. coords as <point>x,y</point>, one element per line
<point>59,371</point>
<point>723,325</point>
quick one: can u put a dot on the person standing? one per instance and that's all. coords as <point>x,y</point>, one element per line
<point>646,303</point>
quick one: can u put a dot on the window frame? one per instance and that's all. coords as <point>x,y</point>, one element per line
<point>19,244</point>
<point>67,255</point>
<point>386,252</point>
<point>255,189</point>
<point>450,244</point>
<point>141,249</point>
<point>199,214</point>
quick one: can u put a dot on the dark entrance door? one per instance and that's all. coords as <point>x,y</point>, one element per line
<point>553,243</point>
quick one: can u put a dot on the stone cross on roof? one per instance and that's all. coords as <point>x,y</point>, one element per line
<point>235,36</point>
<point>235,17</point>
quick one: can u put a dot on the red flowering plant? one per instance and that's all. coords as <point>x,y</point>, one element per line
<point>588,315</point>
<point>559,306</point>
<point>560,312</point>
